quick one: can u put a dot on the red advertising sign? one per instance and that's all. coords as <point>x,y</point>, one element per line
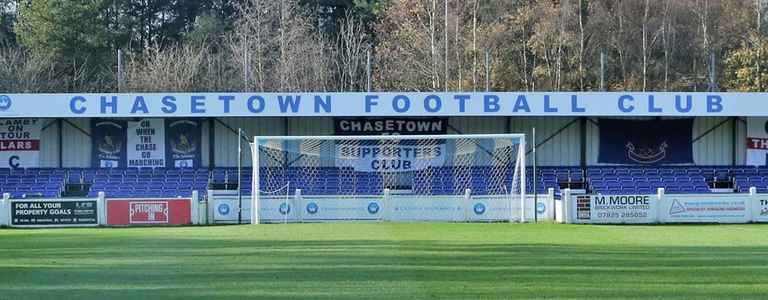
<point>149,211</point>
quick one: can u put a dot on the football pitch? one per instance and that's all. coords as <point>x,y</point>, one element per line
<point>387,261</point>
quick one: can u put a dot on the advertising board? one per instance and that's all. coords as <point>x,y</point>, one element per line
<point>54,213</point>
<point>149,211</point>
<point>706,208</point>
<point>760,212</point>
<point>616,208</point>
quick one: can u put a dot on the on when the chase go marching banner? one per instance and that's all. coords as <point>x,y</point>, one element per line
<point>146,143</point>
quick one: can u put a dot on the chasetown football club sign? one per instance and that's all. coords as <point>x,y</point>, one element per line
<point>143,105</point>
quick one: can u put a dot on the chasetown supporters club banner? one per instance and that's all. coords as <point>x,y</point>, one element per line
<point>390,155</point>
<point>183,143</point>
<point>146,143</point>
<point>757,141</point>
<point>20,143</point>
<point>646,142</point>
<point>379,126</point>
<point>109,146</point>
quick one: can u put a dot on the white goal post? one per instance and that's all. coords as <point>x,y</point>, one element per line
<point>458,178</point>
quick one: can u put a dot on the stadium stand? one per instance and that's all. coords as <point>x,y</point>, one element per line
<point>51,182</point>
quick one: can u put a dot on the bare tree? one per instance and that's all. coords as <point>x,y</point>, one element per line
<point>26,73</point>
<point>445,39</point>
<point>650,35</point>
<point>176,68</point>
<point>582,7</point>
<point>475,8</point>
<point>666,37</point>
<point>457,42</point>
<point>351,47</point>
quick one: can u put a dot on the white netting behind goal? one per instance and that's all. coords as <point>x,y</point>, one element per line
<point>412,170</point>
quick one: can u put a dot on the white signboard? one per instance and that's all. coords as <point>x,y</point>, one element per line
<point>146,143</point>
<point>330,209</point>
<point>278,209</point>
<point>615,209</point>
<point>396,208</point>
<point>383,157</point>
<point>732,208</point>
<point>20,143</point>
<point>225,209</point>
<point>757,141</point>
<point>760,212</point>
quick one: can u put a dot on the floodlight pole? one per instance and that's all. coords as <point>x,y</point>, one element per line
<point>535,178</point>
<point>239,175</point>
<point>119,70</point>
<point>368,70</point>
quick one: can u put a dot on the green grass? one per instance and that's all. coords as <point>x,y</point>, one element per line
<point>387,261</point>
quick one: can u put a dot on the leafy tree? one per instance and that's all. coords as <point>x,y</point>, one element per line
<point>746,68</point>
<point>7,19</point>
<point>69,31</point>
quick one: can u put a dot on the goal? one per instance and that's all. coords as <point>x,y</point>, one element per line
<point>455,178</point>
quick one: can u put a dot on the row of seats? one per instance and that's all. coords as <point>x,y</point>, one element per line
<point>603,180</point>
<point>330,180</point>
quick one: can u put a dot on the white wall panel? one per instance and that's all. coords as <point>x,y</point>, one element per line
<point>225,151</point>
<point>478,125</point>
<point>741,141</point>
<point>716,147</point>
<point>310,126</point>
<point>562,149</point>
<point>205,142</point>
<point>77,145</point>
<point>49,143</point>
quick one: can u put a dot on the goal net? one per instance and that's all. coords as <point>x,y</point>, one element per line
<point>459,178</point>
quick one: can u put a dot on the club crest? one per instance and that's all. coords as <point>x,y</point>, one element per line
<point>647,155</point>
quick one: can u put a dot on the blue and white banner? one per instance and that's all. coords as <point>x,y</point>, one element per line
<point>183,141</point>
<point>109,143</point>
<point>390,155</point>
<point>144,105</point>
<point>146,144</point>
<point>668,208</point>
<point>372,208</point>
<point>724,208</point>
<point>649,142</point>
<point>225,209</point>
